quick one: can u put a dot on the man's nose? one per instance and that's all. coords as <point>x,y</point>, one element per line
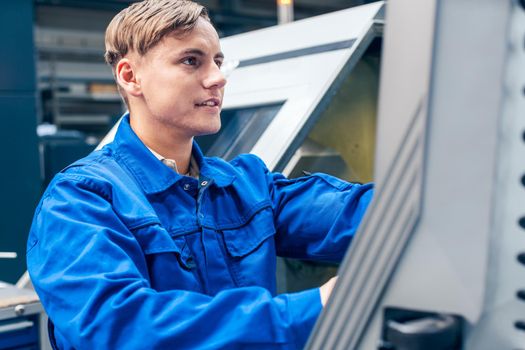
<point>214,78</point>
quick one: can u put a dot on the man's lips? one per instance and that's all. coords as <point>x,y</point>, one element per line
<point>211,102</point>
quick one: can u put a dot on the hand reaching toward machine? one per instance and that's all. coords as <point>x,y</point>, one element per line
<point>326,290</point>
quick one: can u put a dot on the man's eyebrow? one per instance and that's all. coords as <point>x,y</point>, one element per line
<point>198,52</point>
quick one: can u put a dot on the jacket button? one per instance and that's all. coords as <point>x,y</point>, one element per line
<point>190,263</point>
<point>204,183</point>
<point>186,187</point>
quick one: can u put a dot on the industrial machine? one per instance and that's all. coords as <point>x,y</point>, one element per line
<point>308,84</point>
<point>438,262</point>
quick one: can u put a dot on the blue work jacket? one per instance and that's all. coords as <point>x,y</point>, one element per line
<point>127,254</point>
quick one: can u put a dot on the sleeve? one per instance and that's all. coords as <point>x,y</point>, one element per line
<point>92,278</point>
<point>316,216</point>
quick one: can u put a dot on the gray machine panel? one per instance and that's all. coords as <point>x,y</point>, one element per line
<point>461,256</point>
<point>282,64</point>
<point>240,130</point>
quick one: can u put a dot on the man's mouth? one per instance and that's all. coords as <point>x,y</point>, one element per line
<point>212,102</point>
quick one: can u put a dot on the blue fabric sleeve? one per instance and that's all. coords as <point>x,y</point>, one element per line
<point>92,278</point>
<point>316,216</point>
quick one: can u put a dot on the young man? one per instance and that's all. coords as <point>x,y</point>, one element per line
<point>147,244</point>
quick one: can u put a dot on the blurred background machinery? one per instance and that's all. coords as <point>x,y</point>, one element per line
<point>438,262</point>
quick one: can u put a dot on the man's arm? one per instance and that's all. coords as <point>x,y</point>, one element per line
<point>316,216</point>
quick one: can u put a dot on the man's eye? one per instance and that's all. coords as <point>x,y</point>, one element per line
<point>191,61</point>
<point>218,63</point>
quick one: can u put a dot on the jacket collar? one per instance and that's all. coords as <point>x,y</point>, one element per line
<point>150,173</point>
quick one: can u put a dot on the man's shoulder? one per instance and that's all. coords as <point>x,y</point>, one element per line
<point>97,162</point>
<point>99,168</point>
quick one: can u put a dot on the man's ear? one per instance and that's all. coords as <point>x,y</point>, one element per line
<point>126,76</point>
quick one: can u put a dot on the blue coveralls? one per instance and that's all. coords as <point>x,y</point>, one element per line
<point>126,254</point>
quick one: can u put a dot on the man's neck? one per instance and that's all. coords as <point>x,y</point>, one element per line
<point>168,144</point>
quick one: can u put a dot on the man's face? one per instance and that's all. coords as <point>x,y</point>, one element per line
<point>181,82</point>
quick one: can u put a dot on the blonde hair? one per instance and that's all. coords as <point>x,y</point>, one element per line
<point>142,25</point>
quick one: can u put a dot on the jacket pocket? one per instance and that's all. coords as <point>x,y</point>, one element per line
<point>251,250</point>
<point>244,239</point>
<point>154,239</point>
<point>169,260</point>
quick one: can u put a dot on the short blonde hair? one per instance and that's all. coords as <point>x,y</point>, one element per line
<point>142,25</point>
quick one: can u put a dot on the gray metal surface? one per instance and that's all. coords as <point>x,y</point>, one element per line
<point>345,132</point>
<point>325,96</point>
<point>395,210</point>
<point>445,266</point>
<point>239,131</point>
<point>16,304</point>
<point>506,276</point>
<point>461,258</point>
<point>282,64</point>
<point>13,298</point>
<point>377,249</point>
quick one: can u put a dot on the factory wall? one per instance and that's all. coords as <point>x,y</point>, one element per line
<point>20,173</point>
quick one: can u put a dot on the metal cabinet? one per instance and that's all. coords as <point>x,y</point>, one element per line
<point>22,320</point>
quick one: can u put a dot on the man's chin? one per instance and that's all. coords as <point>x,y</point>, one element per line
<point>210,131</point>
<point>207,133</point>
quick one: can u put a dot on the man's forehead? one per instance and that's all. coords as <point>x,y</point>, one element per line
<point>202,28</point>
<point>195,40</point>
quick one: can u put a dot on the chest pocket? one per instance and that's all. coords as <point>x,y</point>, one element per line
<point>251,250</point>
<point>170,262</point>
